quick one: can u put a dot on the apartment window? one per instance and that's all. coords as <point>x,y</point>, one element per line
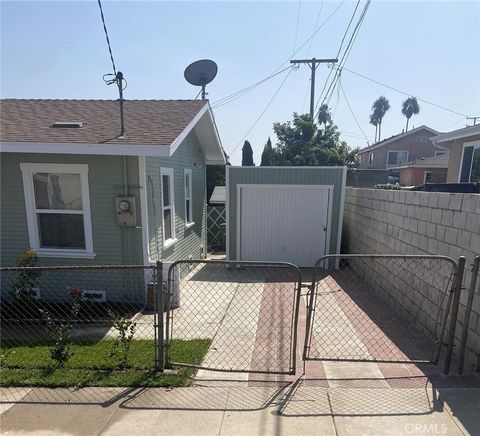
<point>168,206</point>
<point>188,198</point>
<point>58,209</point>
<point>397,158</point>
<point>370,158</point>
<point>470,166</point>
<point>421,139</point>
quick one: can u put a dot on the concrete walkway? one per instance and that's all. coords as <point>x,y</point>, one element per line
<point>235,408</point>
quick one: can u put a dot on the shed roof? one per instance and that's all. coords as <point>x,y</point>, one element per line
<point>219,195</point>
<point>427,162</point>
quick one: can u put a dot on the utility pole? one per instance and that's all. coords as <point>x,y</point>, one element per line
<point>474,120</point>
<point>313,63</point>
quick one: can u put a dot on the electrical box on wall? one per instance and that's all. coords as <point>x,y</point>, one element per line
<point>126,211</point>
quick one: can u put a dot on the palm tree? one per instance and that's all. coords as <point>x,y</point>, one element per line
<point>410,107</point>
<point>380,107</point>
<point>374,122</point>
<point>324,115</point>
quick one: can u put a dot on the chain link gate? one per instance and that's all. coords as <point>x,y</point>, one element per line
<point>246,312</point>
<point>380,308</point>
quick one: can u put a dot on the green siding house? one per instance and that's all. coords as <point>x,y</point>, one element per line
<point>77,193</point>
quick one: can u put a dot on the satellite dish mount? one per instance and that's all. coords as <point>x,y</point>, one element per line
<point>200,73</point>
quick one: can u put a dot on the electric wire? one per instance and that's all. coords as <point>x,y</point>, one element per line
<point>339,50</point>
<point>404,93</point>
<point>296,27</point>
<point>250,88</point>
<point>345,55</point>
<point>106,36</point>
<point>245,90</point>
<point>263,112</point>
<point>316,24</point>
<point>351,111</point>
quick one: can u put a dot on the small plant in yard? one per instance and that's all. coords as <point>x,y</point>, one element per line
<point>22,288</point>
<point>60,335</point>
<point>125,328</point>
<point>389,186</point>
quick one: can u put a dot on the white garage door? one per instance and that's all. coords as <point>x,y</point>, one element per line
<point>285,223</point>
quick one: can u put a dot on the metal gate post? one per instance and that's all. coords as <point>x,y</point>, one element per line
<point>457,288</point>
<point>159,309</point>
<point>468,312</point>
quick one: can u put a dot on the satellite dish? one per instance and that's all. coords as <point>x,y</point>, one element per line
<point>200,73</point>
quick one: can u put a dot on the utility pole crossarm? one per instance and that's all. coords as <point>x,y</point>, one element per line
<point>312,63</point>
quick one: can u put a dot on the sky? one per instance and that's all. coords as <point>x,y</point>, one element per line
<point>430,50</point>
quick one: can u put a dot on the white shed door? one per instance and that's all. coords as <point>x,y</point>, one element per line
<point>283,223</point>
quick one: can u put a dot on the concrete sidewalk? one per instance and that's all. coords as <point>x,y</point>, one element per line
<point>238,408</point>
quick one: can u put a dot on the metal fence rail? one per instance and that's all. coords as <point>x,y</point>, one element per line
<point>77,317</point>
<point>245,312</point>
<point>381,308</point>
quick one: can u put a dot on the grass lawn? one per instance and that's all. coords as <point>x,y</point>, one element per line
<point>92,365</point>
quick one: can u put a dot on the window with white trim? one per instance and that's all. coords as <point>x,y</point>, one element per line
<point>168,206</point>
<point>188,198</point>
<point>397,158</point>
<point>58,209</point>
<point>370,158</point>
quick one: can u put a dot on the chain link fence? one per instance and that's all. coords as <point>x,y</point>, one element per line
<point>381,308</point>
<point>78,317</point>
<point>245,312</point>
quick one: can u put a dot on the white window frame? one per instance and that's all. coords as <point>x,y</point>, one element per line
<point>188,172</point>
<point>170,173</point>
<point>475,145</point>
<point>396,151</point>
<point>28,170</point>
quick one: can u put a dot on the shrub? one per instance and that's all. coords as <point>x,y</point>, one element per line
<point>389,186</point>
<point>60,334</point>
<point>22,288</point>
<point>125,328</point>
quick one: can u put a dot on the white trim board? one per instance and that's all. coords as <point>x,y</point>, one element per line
<point>142,176</point>
<point>28,169</point>
<point>79,148</point>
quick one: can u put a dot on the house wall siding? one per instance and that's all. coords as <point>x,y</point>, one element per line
<point>283,176</point>
<point>111,243</point>
<point>190,241</point>
<point>402,222</point>
<point>407,143</point>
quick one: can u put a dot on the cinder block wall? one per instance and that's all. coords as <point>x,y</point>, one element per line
<point>407,222</point>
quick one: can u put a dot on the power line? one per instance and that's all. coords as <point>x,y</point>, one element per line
<point>245,90</point>
<point>251,87</point>
<point>316,24</point>
<point>338,52</point>
<point>351,111</point>
<point>264,110</point>
<point>106,36</point>
<point>345,55</point>
<point>405,93</point>
<point>298,22</point>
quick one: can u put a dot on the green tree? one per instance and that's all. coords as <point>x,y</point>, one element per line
<point>380,107</point>
<point>267,155</point>
<point>410,107</point>
<point>247,155</point>
<point>324,115</point>
<point>301,142</point>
